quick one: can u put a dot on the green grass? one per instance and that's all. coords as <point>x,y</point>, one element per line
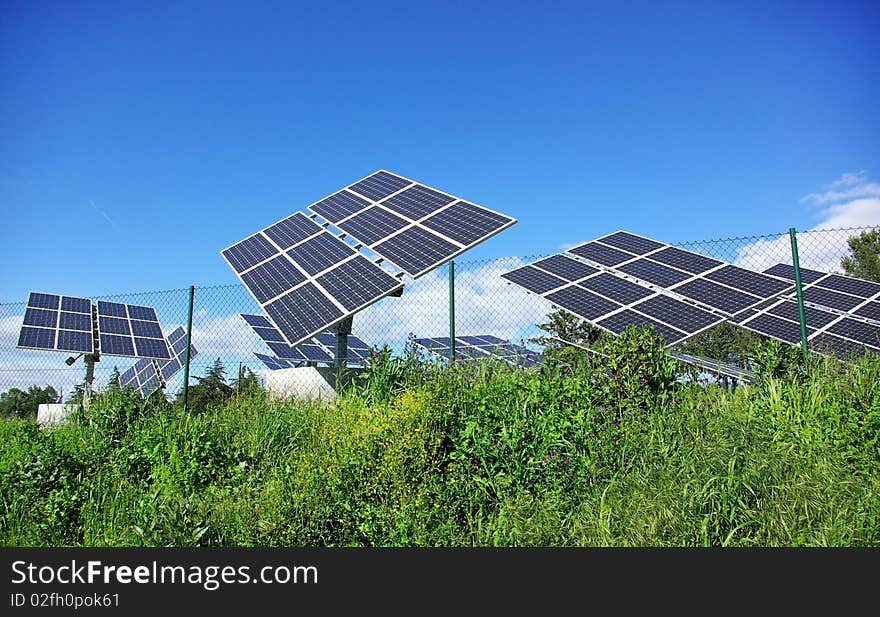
<point>475,455</point>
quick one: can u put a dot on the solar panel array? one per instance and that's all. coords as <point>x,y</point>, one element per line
<point>607,299</point>
<point>143,377</point>
<point>148,374</point>
<point>631,279</point>
<point>57,323</point>
<point>130,330</point>
<point>305,278</point>
<point>411,225</point>
<point>318,349</point>
<point>274,364</point>
<point>481,347</point>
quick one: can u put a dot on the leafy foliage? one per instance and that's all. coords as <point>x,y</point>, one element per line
<point>15,403</point>
<point>211,390</point>
<point>564,327</point>
<point>864,258</point>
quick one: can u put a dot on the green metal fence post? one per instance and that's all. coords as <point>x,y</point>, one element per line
<point>800,291</point>
<point>189,328</point>
<point>452,310</point>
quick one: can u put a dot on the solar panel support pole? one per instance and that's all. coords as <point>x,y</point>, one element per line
<point>343,329</point>
<point>451,310</point>
<point>800,291</point>
<point>189,327</point>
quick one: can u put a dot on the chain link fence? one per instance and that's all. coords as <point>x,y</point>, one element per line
<point>484,304</point>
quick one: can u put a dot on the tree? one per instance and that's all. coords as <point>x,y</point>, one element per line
<point>726,342</point>
<point>562,328</point>
<point>247,381</point>
<point>864,259</point>
<point>210,391</point>
<point>113,381</point>
<point>17,403</point>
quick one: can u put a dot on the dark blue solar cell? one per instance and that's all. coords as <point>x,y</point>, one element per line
<point>618,322</point>
<point>115,345</point>
<point>534,280</point>
<point>830,345</point>
<point>76,305</point>
<point>600,253</point>
<point>565,267</point>
<point>113,325</point>
<point>749,281</point>
<point>372,225</point>
<point>775,327</point>
<point>858,331</point>
<point>313,352</point>
<point>615,288</point>
<point>249,252</point>
<point>871,310</point>
<point>272,278</point>
<point>37,338</point>
<point>655,273</point>
<point>112,309</point>
<point>292,230</point>
<point>177,335</point>
<point>357,282</point>
<point>357,343</point>
<point>273,364</point>
<point>75,321</point>
<point>816,318</point>
<point>380,185</point>
<point>144,313</point>
<point>151,348</point>
<point>470,340</point>
<point>285,351</point>
<point>257,320</point>
<point>149,386</point>
<point>128,378</point>
<point>339,206</point>
<point>69,340</point>
<point>854,286</point>
<point>680,315</point>
<point>44,301</point>
<point>685,260</point>
<point>144,367</point>
<point>179,346</point>
<point>786,271</point>
<point>328,339</point>
<point>169,369</point>
<point>466,223</point>
<point>149,329</point>
<point>302,313</point>
<point>831,299</point>
<point>492,339</point>
<point>269,334</point>
<point>40,317</point>
<point>321,252</point>
<point>417,202</point>
<point>582,302</point>
<point>630,242</point>
<point>723,298</point>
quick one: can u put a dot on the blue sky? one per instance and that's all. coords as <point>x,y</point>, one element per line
<point>140,139</point>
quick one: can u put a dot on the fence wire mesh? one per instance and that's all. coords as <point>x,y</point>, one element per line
<point>484,303</point>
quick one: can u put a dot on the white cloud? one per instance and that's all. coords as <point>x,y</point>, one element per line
<point>851,201</point>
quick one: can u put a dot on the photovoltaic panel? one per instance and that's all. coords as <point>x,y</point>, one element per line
<point>307,279</point>
<point>618,322</point>
<point>600,253</point>
<point>615,288</point>
<point>685,260</point>
<point>321,348</point>
<point>831,345</point>
<point>177,346</point>
<point>582,302</point>
<point>786,271</point>
<point>57,323</point>
<point>680,315</point>
<point>755,283</point>
<point>849,285</point>
<point>815,318</point>
<point>564,267</point>
<point>141,377</point>
<point>858,331</point>
<point>411,225</point>
<point>654,273</point>
<point>130,330</point>
<point>717,296</point>
<point>831,299</point>
<point>533,279</point>
<point>869,310</point>
<point>274,364</point>
<point>631,243</point>
<point>776,327</point>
